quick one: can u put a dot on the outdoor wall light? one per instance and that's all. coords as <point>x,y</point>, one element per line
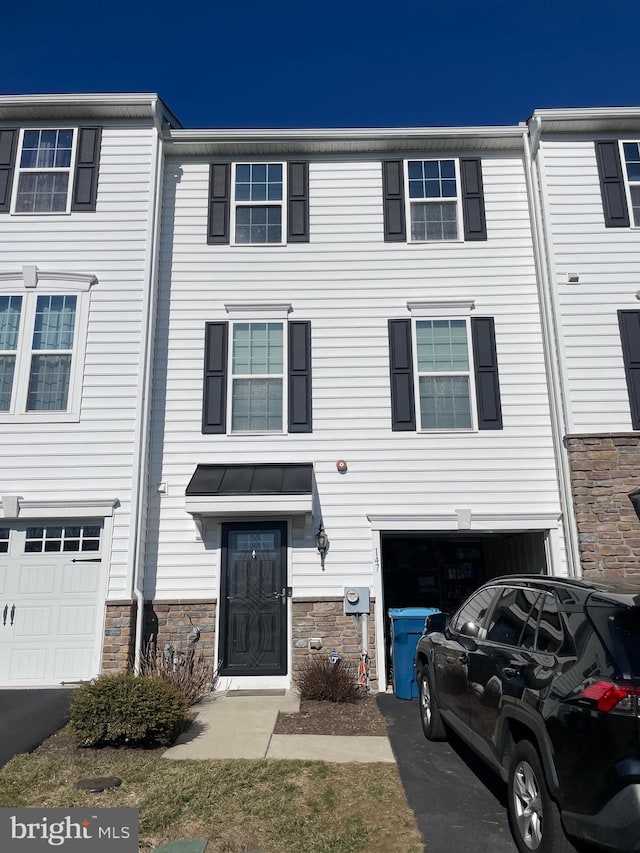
<point>322,544</point>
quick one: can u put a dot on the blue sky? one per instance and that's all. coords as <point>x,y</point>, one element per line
<point>330,63</point>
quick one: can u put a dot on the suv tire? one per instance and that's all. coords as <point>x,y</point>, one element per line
<point>534,816</point>
<point>432,724</point>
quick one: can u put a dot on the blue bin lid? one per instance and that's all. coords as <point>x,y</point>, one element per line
<point>411,612</point>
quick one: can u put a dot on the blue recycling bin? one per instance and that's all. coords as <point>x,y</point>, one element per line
<point>407,624</point>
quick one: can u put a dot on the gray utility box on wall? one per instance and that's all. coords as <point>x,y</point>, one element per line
<point>356,599</point>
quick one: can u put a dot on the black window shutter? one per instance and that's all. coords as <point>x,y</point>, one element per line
<point>8,139</point>
<point>298,203</point>
<point>85,186</point>
<point>614,200</point>
<point>403,413</point>
<point>486,370</point>
<point>214,398</point>
<point>219,203</point>
<point>393,201</point>
<point>629,322</point>
<point>300,376</point>
<point>475,226</point>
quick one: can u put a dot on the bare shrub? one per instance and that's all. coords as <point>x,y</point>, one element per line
<point>322,679</point>
<point>187,671</point>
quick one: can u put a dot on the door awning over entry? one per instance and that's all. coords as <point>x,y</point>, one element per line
<point>237,489</point>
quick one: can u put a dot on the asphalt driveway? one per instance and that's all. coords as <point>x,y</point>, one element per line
<point>459,804</point>
<point>27,717</point>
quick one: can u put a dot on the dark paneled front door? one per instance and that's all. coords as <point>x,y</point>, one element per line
<point>253,612</point>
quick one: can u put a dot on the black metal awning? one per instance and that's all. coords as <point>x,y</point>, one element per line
<point>265,479</point>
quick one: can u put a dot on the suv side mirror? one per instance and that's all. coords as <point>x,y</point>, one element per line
<point>436,622</point>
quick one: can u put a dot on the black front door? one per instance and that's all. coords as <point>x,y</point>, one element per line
<point>253,612</point>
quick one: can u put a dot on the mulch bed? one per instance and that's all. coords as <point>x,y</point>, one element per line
<point>362,717</point>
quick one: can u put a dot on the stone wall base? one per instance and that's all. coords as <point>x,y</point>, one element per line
<point>604,469</point>
<point>326,620</point>
<point>172,624</point>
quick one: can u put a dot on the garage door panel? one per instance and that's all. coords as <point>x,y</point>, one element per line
<point>3,580</point>
<point>32,621</point>
<point>76,621</point>
<point>28,665</point>
<point>83,577</point>
<point>36,579</point>
<point>72,664</point>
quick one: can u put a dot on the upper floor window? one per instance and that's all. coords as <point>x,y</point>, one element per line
<point>49,170</point>
<point>632,163</point>
<point>42,340</point>
<point>433,199</point>
<point>443,374</point>
<point>257,377</point>
<point>258,195</point>
<point>44,171</point>
<point>258,203</point>
<point>441,199</point>
<point>257,373</point>
<point>435,360</point>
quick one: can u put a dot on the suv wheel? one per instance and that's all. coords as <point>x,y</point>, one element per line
<point>432,724</point>
<point>534,817</point>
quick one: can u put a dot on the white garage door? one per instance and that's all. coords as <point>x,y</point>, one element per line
<point>51,604</point>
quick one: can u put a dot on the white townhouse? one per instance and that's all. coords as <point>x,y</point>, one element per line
<point>350,353</point>
<point>585,166</point>
<point>80,179</point>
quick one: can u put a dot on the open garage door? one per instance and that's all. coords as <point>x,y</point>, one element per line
<point>442,569</point>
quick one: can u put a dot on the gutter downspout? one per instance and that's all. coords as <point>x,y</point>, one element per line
<point>557,401</point>
<point>139,498</point>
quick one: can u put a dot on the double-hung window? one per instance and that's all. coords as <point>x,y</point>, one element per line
<point>44,171</point>
<point>257,377</point>
<point>257,372</point>
<point>433,201</point>
<point>632,164</point>
<point>444,369</point>
<point>444,374</point>
<point>42,337</point>
<point>258,196</point>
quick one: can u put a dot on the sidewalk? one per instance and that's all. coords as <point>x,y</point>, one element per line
<point>240,725</point>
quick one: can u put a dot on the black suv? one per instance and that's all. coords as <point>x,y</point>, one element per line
<point>541,677</point>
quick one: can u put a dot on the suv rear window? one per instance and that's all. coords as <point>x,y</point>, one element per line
<point>619,628</point>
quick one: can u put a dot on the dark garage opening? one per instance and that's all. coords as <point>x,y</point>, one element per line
<point>442,569</point>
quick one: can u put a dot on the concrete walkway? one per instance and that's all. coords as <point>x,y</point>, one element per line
<point>240,725</point>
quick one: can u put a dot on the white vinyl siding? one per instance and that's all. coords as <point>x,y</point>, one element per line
<point>92,457</point>
<point>607,262</point>
<point>348,283</point>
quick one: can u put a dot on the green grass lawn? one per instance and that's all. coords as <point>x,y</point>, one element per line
<point>266,805</point>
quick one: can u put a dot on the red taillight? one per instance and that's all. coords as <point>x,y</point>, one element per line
<point>607,695</point>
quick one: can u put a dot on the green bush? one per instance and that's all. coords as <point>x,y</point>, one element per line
<point>127,710</point>
<point>321,679</point>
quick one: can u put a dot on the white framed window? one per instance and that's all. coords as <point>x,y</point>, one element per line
<point>257,365</point>
<point>57,538</point>
<point>45,170</point>
<point>631,152</point>
<point>258,203</point>
<point>444,374</point>
<point>43,327</point>
<point>433,199</point>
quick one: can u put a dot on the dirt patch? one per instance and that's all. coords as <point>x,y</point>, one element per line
<point>362,717</point>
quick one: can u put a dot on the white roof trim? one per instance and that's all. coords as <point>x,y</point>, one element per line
<point>479,522</point>
<point>235,505</point>
<point>80,508</point>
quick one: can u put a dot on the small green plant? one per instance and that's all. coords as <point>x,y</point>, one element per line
<point>127,710</point>
<point>322,679</point>
<point>187,672</point>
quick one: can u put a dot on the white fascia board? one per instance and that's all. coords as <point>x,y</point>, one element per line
<point>235,505</point>
<point>87,105</point>
<point>586,120</point>
<point>341,140</point>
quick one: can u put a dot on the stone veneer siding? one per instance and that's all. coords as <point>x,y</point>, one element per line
<point>604,469</point>
<point>119,636</point>
<point>325,618</point>
<point>165,622</point>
